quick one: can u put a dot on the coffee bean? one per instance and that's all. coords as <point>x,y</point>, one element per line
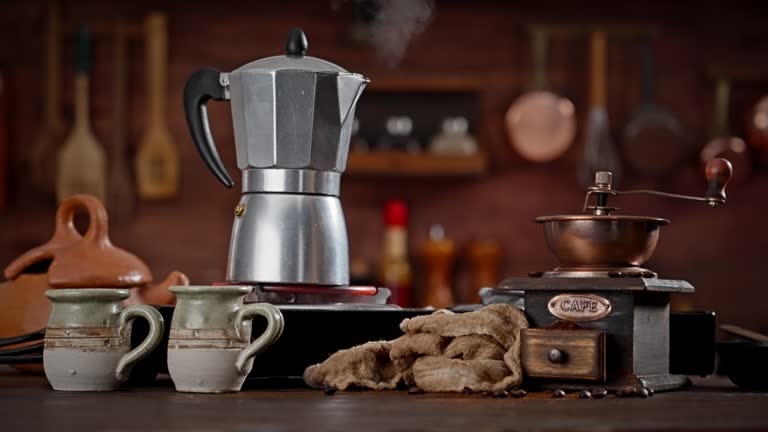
<point>467,390</point>
<point>585,394</point>
<point>627,391</point>
<point>558,393</point>
<point>329,391</point>
<point>518,393</point>
<point>644,393</point>
<point>485,393</point>
<point>415,390</point>
<point>500,394</point>
<point>599,393</point>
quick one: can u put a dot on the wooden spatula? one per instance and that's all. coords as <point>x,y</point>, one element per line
<point>157,161</point>
<point>600,154</point>
<point>121,193</point>
<point>45,150</point>
<point>82,164</point>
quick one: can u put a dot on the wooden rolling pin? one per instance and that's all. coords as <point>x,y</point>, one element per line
<point>157,161</point>
<point>82,165</point>
<point>43,158</point>
<point>121,192</point>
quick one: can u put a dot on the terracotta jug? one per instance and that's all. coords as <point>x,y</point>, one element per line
<point>72,260</point>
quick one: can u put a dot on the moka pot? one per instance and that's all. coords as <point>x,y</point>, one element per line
<point>292,117</point>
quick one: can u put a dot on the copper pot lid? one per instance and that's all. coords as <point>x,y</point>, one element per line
<point>611,218</point>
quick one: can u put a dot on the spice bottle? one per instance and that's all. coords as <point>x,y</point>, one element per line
<point>394,270</point>
<point>438,254</point>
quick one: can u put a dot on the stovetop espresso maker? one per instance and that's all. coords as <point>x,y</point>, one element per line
<point>292,117</point>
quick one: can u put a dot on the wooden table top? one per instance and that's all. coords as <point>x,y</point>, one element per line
<point>27,403</point>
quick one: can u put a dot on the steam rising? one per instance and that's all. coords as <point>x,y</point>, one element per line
<point>395,24</point>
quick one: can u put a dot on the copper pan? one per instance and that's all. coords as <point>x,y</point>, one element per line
<point>540,124</point>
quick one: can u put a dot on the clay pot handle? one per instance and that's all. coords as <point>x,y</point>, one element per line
<point>273,332</point>
<point>97,218</point>
<point>65,233</point>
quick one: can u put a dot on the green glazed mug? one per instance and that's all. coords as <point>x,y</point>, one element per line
<point>88,338</point>
<point>210,348</point>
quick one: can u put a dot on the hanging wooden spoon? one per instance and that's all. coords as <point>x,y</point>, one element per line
<point>599,151</point>
<point>45,149</point>
<point>82,163</point>
<point>121,193</point>
<point>4,126</point>
<point>157,162</point>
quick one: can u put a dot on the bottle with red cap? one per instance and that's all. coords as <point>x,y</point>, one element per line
<point>394,270</point>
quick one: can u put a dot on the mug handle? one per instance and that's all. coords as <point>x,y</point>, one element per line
<point>156,327</point>
<point>275,324</point>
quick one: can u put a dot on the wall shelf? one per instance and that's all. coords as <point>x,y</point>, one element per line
<point>400,164</point>
<point>427,83</point>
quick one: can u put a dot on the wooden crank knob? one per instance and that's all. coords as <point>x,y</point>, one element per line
<point>718,172</point>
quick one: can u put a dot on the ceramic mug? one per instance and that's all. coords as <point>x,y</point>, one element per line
<point>88,338</point>
<point>210,348</point>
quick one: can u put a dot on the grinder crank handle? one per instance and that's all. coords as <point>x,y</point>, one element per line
<point>202,86</point>
<point>718,173</point>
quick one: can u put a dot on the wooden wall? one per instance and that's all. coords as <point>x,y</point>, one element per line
<point>720,251</point>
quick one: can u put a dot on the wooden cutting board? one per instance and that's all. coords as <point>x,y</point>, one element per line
<point>157,161</point>
<point>82,162</point>
<point>45,149</point>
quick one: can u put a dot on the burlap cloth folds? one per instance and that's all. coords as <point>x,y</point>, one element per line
<point>442,352</point>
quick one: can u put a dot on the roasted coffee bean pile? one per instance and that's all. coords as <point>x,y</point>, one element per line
<point>598,393</point>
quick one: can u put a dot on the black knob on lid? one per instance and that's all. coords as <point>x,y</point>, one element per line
<point>297,43</point>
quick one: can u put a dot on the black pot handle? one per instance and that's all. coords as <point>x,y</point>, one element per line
<point>203,85</point>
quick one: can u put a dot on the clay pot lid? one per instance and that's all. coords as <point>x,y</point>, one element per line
<point>83,261</point>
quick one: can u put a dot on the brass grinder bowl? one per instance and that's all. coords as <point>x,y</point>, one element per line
<point>610,241</point>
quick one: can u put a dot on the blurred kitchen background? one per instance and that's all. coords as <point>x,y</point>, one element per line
<point>428,61</point>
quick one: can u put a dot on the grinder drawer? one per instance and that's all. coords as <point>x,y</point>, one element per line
<point>564,354</point>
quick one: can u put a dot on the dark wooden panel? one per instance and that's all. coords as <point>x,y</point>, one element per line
<point>617,326</point>
<point>651,327</point>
